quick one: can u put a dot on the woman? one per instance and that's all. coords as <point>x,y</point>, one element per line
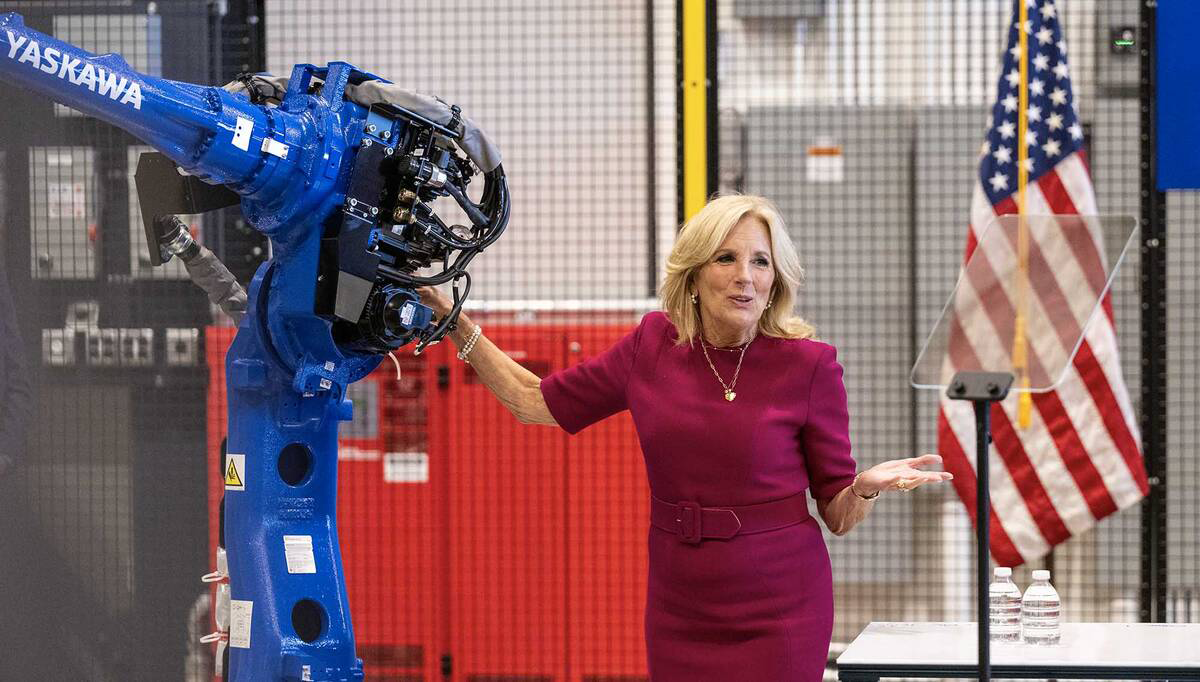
<point>738,411</point>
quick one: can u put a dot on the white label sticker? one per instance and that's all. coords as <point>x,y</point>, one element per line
<point>358,454</point>
<point>298,551</point>
<point>66,200</point>
<point>241,133</point>
<point>235,472</point>
<point>241,612</point>
<point>406,467</point>
<point>825,167</point>
<point>275,147</point>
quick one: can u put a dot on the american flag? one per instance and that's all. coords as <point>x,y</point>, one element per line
<point>1079,458</point>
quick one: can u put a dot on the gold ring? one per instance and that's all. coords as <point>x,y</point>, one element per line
<point>902,484</point>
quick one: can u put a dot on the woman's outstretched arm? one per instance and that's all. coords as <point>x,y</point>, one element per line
<point>517,388</point>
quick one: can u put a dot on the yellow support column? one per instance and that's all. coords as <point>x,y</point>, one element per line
<point>697,104</point>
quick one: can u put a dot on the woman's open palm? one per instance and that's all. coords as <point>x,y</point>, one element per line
<point>901,474</point>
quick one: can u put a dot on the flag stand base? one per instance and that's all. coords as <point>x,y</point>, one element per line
<point>982,389</point>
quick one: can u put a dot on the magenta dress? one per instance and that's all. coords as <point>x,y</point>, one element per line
<point>756,607</point>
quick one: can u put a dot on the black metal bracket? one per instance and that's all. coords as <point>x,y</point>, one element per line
<point>988,386</point>
<point>163,191</point>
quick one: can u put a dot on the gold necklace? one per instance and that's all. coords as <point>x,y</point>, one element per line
<point>736,349</point>
<point>729,394</point>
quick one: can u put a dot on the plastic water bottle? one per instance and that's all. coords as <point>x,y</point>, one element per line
<point>1004,607</point>
<point>1040,609</point>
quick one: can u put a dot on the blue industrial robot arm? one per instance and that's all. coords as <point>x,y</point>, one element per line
<point>208,132</point>
<point>367,175</point>
<point>345,188</point>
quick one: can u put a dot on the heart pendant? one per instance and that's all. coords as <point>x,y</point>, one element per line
<point>730,395</point>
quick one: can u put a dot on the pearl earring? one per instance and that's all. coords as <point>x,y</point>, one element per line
<point>769,303</point>
<point>694,298</point>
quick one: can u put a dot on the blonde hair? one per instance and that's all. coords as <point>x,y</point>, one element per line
<point>700,238</point>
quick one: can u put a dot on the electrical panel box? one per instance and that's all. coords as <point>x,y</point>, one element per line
<point>1117,44</point>
<point>63,212</point>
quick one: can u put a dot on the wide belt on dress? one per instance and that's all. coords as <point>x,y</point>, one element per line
<point>693,523</point>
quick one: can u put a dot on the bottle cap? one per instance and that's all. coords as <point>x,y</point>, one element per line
<point>1002,571</point>
<point>1041,575</point>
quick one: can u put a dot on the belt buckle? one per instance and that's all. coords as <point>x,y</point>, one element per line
<point>687,522</point>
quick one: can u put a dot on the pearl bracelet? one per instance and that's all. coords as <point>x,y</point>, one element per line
<point>470,344</point>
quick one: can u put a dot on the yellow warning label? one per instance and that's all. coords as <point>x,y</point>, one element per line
<point>235,472</point>
<point>231,475</point>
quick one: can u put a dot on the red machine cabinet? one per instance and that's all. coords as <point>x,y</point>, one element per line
<point>548,531</point>
<point>517,551</point>
<point>608,502</point>
<point>389,514</point>
<point>507,526</point>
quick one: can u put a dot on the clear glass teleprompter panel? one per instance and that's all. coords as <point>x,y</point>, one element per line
<point>1022,304</point>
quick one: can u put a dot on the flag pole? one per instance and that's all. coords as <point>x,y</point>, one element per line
<point>1020,358</point>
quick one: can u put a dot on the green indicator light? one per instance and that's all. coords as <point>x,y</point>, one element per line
<point>1123,43</point>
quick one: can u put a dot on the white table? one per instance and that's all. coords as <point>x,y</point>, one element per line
<point>1097,651</point>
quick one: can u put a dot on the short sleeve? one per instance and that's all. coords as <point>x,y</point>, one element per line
<point>825,437</point>
<point>582,395</point>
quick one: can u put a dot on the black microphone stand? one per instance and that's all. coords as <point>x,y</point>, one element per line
<point>982,389</point>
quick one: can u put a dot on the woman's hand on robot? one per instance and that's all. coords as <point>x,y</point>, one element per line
<point>436,300</point>
<point>902,474</point>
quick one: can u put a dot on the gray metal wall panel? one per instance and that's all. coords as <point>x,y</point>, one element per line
<point>947,158</point>
<point>857,257</point>
<point>1183,398</point>
<point>580,184</point>
<point>948,142</point>
<point>1115,156</point>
